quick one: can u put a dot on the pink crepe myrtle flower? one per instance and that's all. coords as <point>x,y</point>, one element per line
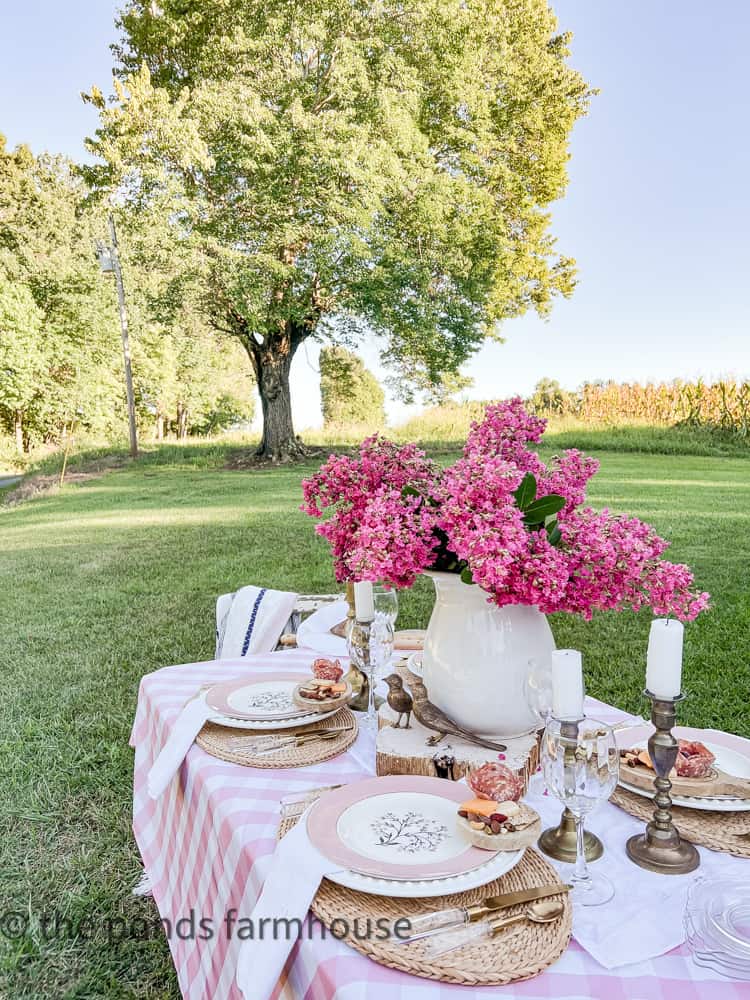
<point>389,513</point>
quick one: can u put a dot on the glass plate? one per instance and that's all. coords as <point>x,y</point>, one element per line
<point>717,925</point>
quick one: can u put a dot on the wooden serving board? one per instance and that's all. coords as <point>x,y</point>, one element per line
<point>718,783</point>
<point>329,705</point>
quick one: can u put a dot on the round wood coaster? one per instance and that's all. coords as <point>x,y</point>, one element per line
<point>728,832</point>
<point>520,952</point>
<point>234,745</point>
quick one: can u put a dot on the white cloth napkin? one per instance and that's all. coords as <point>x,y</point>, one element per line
<point>644,919</point>
<point>314,632</point>
<point>255,621</point>
<point>187,726</point>
<point>297,869</point>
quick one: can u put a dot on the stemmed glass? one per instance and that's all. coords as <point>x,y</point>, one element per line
<point>370,646</point>
<point>581,764</point>
<point>386,602</point>
<point>539,689</point>
<point>381,645</point>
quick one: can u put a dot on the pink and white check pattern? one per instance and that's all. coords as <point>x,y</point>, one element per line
<point>207,841</point>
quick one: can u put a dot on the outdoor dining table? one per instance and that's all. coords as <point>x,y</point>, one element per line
<point>207,842</point>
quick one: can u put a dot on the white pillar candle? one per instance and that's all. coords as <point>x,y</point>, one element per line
<point>567,684</point>
<point>364,602</point>
<point>664,660</point>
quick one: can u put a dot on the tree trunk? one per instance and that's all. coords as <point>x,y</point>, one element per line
<point>159,431</point>
<point>182,419</point>
<point>279,442</point>
<point>18,430</point>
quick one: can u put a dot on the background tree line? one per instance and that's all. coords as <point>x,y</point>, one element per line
<point>60,351</point>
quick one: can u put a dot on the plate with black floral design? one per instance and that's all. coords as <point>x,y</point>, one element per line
<point>399,828</point>
<point>267,698</point>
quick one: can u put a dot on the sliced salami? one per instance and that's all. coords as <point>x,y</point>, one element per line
<point>694,760</point>
<point>496,782</point>
<point>327,670</point>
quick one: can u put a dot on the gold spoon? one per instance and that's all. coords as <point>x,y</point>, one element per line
<point>543,911</point>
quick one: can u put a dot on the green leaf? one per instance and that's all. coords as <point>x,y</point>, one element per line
<point>539,510</point>
<point>410,491</point>
<point>526,491</point>
<point>466,575</point>
<point>554,535</point>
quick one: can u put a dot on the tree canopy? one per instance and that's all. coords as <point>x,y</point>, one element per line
<point>387,164</point>
<point>60,351</point>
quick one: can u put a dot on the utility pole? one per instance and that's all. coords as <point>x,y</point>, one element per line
<point>109,260</point>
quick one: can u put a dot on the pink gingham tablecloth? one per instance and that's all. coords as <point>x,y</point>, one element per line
<point>206,845</point>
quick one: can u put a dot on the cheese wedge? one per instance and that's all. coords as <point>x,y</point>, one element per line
<point>480,807</point>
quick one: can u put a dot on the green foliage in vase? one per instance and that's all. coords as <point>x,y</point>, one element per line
<point>388,165</point>
<point>349,392</point>
<point>539,513</point>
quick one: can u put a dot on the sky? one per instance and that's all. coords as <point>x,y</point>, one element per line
<point>656,213</point>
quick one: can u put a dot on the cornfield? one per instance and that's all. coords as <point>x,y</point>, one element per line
<point>723,405</point>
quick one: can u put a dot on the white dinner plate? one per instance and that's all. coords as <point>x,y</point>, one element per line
<point>300,720</point>
<point>732,755</point>
<point>496,866</point>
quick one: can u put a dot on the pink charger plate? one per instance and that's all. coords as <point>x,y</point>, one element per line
<point>218,697</point>
<point>324,827</point>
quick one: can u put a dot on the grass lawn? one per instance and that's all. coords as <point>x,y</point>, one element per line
<point>108,580</point>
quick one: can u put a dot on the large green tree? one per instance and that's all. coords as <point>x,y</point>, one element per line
<point>390,164</point>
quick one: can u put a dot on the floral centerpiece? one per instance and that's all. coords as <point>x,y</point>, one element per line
<point>499,518</point>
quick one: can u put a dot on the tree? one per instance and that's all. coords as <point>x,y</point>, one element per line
<point>548,397</point>
<point>64,313</point>
<point>385,164</point>
<point>22,364</point>
<point>349,392</point>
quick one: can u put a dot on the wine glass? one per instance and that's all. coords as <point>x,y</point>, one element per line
<point>358,641</point>
<point>539,689</point>
<point>386,602</point>
<point>581,763</point>
<point>381,645</point>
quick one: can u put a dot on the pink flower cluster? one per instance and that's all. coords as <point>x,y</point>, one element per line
<point>375,533</point>
<point>393,509</point>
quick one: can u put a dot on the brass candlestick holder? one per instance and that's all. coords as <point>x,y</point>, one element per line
<point>559,842</point>
<point>660,848</point>
<point>341,629</point>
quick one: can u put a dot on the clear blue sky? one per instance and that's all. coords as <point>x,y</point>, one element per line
<point>657,213</point>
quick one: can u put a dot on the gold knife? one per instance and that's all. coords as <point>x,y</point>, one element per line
<point>440,920</point>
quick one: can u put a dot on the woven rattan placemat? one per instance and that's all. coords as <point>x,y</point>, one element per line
<point>720,831</point>
<point>520,952</point>
<point>234,745</point>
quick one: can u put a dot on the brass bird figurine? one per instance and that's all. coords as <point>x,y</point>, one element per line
<point>399,700</point>
<point>432,718</point>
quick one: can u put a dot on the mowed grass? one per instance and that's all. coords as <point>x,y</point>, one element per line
<point>108,580</point>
